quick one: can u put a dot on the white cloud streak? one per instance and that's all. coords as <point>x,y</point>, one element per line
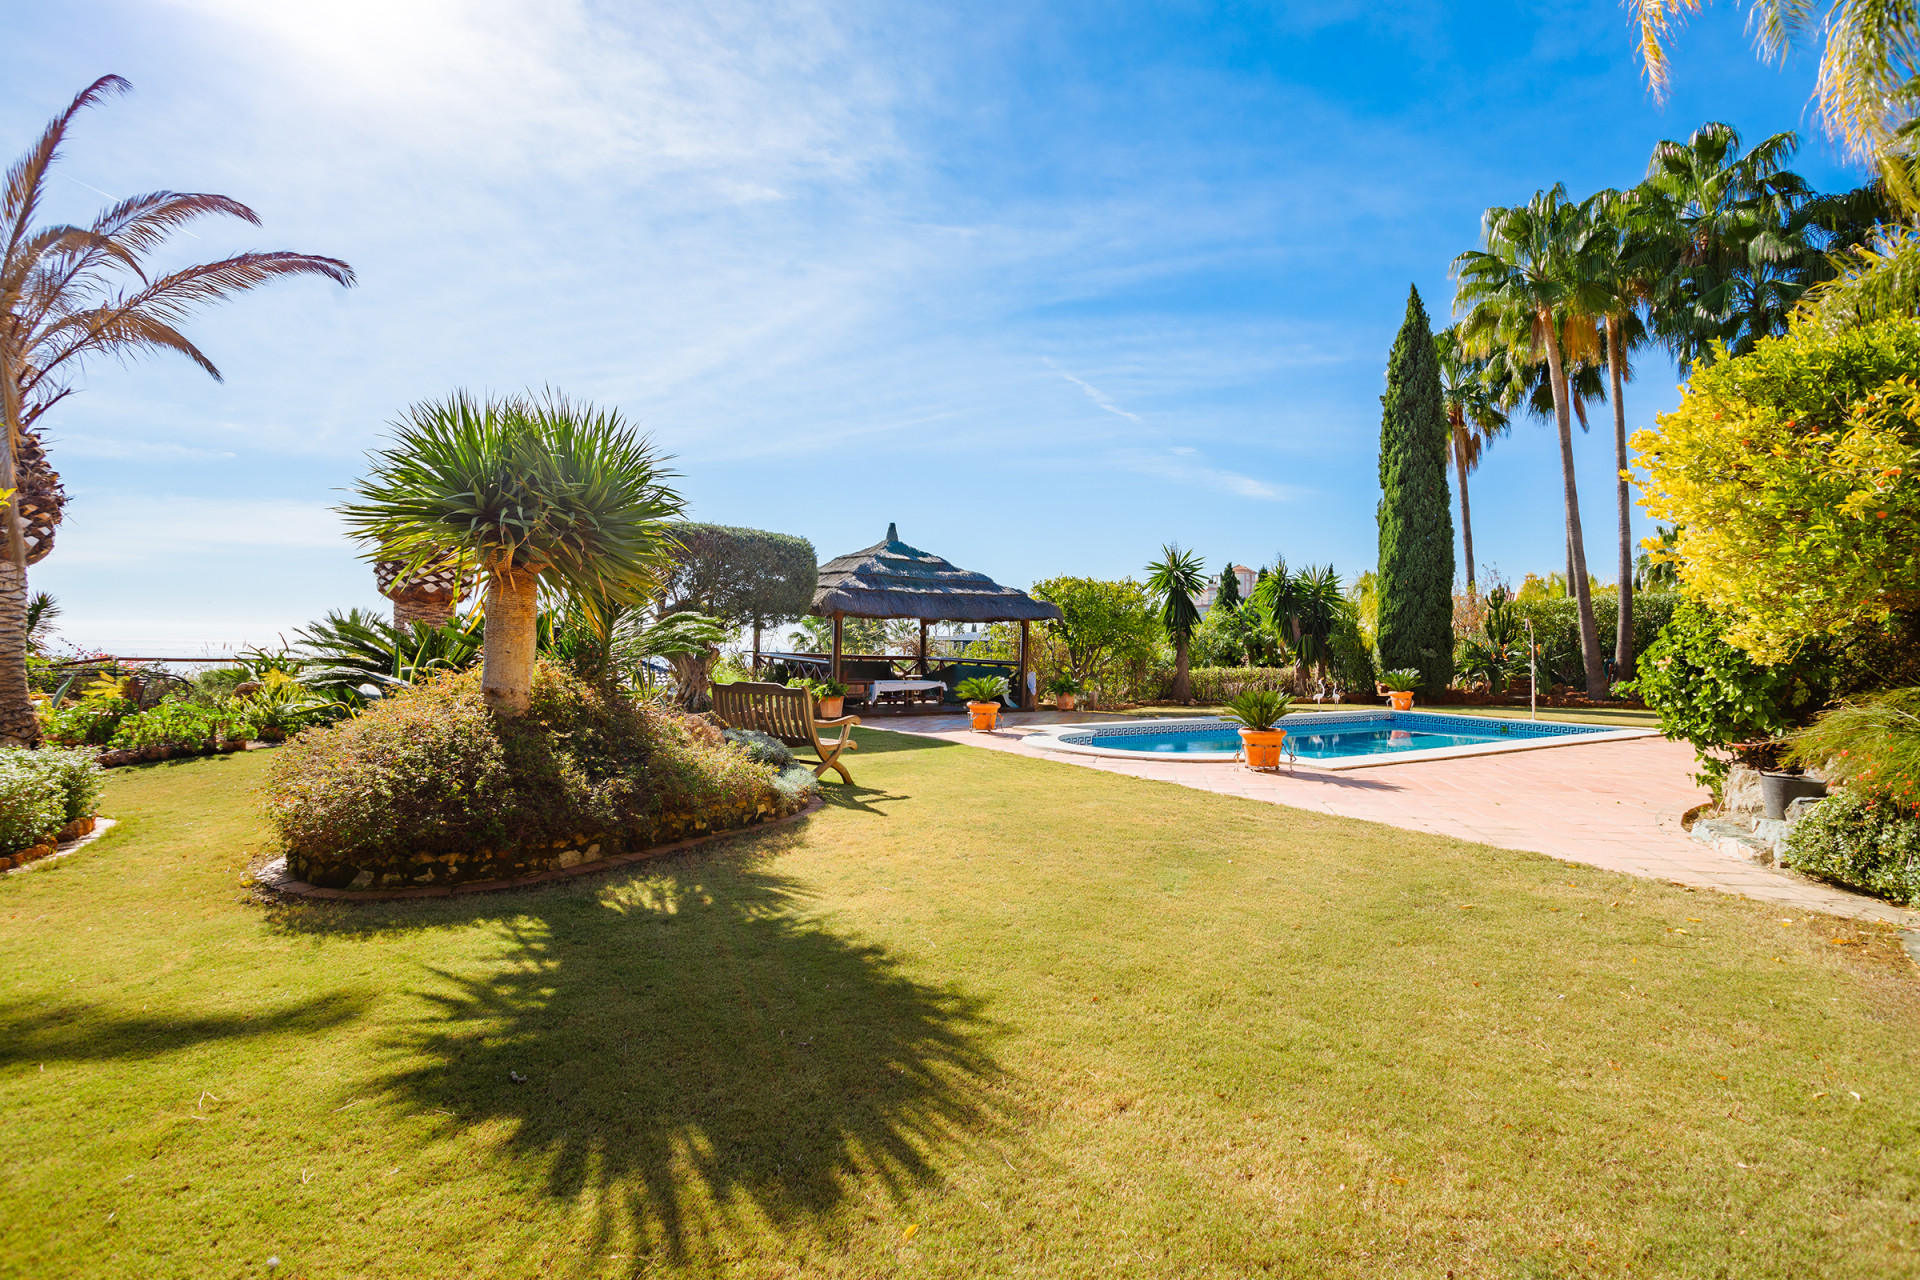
<point>1183,465</point>
<point>1094,393</point>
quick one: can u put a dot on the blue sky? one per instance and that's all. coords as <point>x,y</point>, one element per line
<point>1047,284</point>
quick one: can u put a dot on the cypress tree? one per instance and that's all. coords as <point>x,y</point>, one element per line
<point>1229,596</point>
<point>1416,510</point>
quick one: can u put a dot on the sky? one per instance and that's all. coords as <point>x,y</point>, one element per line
<point>1048,284</point>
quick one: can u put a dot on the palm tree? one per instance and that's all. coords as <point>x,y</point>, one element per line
<point>70,294</point>
<point>1471,399</point>
<point>1732,236</point>
<point>523,489</point>
<point>1527,289</point>
<point>1176,578</point>
<point>1624,261</point>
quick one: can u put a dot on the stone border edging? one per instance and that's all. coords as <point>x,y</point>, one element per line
<point>274,878</point>
<point>100,827</point>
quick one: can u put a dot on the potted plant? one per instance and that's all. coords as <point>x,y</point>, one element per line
<point>829,696</point>
<point>1257,711</point>
<point>1063,687</point>
<point>1399,686</point>
<point>982,695</point>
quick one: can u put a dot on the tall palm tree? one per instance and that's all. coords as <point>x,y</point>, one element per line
<point>1527,289</point>
<point>1625,260</point>
<point>1175,579</point>
<point>70,294</point>
<point>1470,395</point>
<point>523,489</point>
<point>1733,235</point>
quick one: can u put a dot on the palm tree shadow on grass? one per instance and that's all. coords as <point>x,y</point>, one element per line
<point>77,1032</point>
<point>697,1053</point>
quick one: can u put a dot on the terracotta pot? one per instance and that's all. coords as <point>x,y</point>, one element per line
<point>1063,701</point>
<point>273,733</point>
<point>829,708</point>
<point>1402,700</point>
<point>986,715</point>
<point>1262,747</point>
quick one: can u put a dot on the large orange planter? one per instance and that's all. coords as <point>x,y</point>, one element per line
<point>1401,700</point>
<point>829,708</point>
<point>1262,747</point>
<point>986,715</point>
<point>1063,701</point>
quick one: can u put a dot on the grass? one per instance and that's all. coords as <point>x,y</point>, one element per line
<point>982,1016</point>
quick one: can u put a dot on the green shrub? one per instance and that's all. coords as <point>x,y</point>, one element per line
<point>1867,842</point>
<point>1713,695</point>
<point>761,748</point>
<point>429,783</point>
<point>176,724</point>
<point>42,791</point>
<point>1872,743</point>
<point>1556,627</point>
<point>92,721</point>
<point>1223,684</point>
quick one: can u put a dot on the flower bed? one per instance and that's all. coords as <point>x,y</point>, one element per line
<point>429,787</point>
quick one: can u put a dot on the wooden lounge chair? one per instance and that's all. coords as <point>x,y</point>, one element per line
<point>786,714</point>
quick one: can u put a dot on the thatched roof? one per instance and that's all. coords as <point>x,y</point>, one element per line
<point>893,580</point>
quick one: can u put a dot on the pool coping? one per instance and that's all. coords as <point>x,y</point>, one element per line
<point>1048,739</point>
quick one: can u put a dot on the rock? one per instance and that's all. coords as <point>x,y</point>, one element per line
<point>1740,794</point>
<point>1801,806</point>
<point>1735,839</point>
<point>362,881</point>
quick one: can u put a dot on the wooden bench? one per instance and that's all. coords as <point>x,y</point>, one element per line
<point>786,714</point>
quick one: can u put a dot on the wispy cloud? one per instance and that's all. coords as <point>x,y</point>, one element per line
<point>167,531</point>
<point>1094,393</point>
<point>1183,465</point>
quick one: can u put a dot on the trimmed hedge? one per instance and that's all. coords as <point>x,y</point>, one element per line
<point>42,791</point>
<point>428,786</point>
<point>1556,625</point>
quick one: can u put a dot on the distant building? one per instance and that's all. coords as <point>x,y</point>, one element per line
<point>1247,578</point>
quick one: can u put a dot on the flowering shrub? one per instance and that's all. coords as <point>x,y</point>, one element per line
<point>428,784</point>
<point>1867,842</point>
<point>42,791</point>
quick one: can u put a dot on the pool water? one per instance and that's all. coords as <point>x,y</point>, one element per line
<point>1380,734</point>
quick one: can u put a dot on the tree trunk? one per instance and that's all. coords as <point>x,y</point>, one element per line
<point>1182,686</point>
<point>1623,644</point>
<point>19,726</point>
<point>1466,514</point>
<point>506,671</point>
<point>1576,547</point>
<point>756,649</point>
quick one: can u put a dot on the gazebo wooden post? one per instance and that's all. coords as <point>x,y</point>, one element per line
<point>923,647</point>
<point>838,620</point>
<point>1026,699</point>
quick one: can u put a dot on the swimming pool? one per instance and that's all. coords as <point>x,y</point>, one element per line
<point>1331,739</point>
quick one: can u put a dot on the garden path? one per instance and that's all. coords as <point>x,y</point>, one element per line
<point>1615,805</point>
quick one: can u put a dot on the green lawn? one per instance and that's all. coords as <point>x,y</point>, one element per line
<point>985,1015</point>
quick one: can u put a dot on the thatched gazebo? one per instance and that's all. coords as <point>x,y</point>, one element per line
<point>893,580</point>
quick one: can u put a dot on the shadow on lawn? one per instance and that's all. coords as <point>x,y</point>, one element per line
<point>80,1033</point>
<point>697,1054</point>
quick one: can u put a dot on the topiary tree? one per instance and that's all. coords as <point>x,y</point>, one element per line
<point>1416,511</point>
<point>744,577</point>
<point>523,489</point>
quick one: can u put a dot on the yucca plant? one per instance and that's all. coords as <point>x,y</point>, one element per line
<point>522,488</point>
<point>359,647</point>
<point>1258,709</point>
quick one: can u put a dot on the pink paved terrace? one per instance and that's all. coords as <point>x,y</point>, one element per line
<point>1615,805</point>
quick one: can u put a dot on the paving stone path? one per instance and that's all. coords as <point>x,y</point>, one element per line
<point>1615,805</point>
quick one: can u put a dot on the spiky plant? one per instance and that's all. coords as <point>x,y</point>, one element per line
<point>70,294</point>
<point>1175,579</point>
<point>522,488</point>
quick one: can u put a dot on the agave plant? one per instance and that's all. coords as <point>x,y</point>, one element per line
<point>1258,709</point>
<point>526,489</point>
